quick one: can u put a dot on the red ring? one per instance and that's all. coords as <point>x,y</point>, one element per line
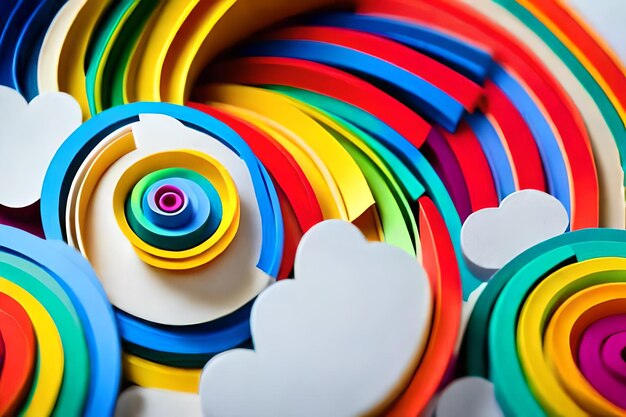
<point>20,350</point>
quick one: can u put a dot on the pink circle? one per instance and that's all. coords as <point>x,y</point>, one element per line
<point>170,202</point>
<point>170,198</point>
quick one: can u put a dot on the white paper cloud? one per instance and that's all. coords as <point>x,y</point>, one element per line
<point>468,397</point>
<point>491,237</point>
<point>30,134</point>
<point>148,402</point>
<point>341,339</point>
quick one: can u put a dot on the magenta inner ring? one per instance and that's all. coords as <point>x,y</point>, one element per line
<point>169,198</point>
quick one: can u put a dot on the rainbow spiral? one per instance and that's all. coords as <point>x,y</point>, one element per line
<point>190,203</point>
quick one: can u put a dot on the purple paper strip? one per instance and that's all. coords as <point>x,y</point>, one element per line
<point>614,355</point>
<point>441,157</point>
<point>1,353</point>
<point>170,202</point>
<point>169,198</point>
<point>25,218</point>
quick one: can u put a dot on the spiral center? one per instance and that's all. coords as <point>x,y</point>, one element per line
<point>170,202</point>
<point>170,198</point>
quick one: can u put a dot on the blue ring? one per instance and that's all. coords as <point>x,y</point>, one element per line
<point>174,219</point>
<point>494,150</point>
<point>16,20</point>
<point>201,199</point>
<point>66,163</point>
<point>552,159</point>
<point>67,160</point>
<point>203,223</point>
<point>181,217</point>
<point>28,45</point>
<point>201,339</point>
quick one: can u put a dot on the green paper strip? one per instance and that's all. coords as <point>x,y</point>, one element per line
<point>419,166</point>
<point>394,227</point>
<point>117,66</point>
<point>106,36</point>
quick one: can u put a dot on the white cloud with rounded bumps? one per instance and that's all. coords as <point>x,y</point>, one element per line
<point>342,338</point>
<point>491,237</point>
<point>30,135</point>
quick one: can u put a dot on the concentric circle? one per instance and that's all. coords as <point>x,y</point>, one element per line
<point>542,322</point>
<point>198,260</point>
<point>61,348</point>
<point>197,241</point>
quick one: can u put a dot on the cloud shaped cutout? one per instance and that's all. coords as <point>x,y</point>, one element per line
<point>341,339</point>
<point>30,134</point>
<point>149,402</point>
<point>491,237</point>
<point>469,397</point>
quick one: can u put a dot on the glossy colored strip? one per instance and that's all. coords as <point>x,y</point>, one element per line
<point>581,40</point>
<point>464,58</point>
<point>473,163</point>
<point>412,90</point>
<point>328,81</point>
<point>445,280</point>
<point>460,19</point>
<point>418,165</point>
<point>20,350</point>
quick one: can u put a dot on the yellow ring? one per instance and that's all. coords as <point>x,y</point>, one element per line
<point>197,29</point>
<point>317,173</point>
<point>153,375</point>
<point>87,181</point>
<point>71,71</point>
<point>539,305</point>
<point>167,23</point>
<point>415,247</point>
<point>566,326</point>
<point>203,165</point>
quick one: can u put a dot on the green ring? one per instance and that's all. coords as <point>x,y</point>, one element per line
<point>165,238</point>
<point>489,348</point>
